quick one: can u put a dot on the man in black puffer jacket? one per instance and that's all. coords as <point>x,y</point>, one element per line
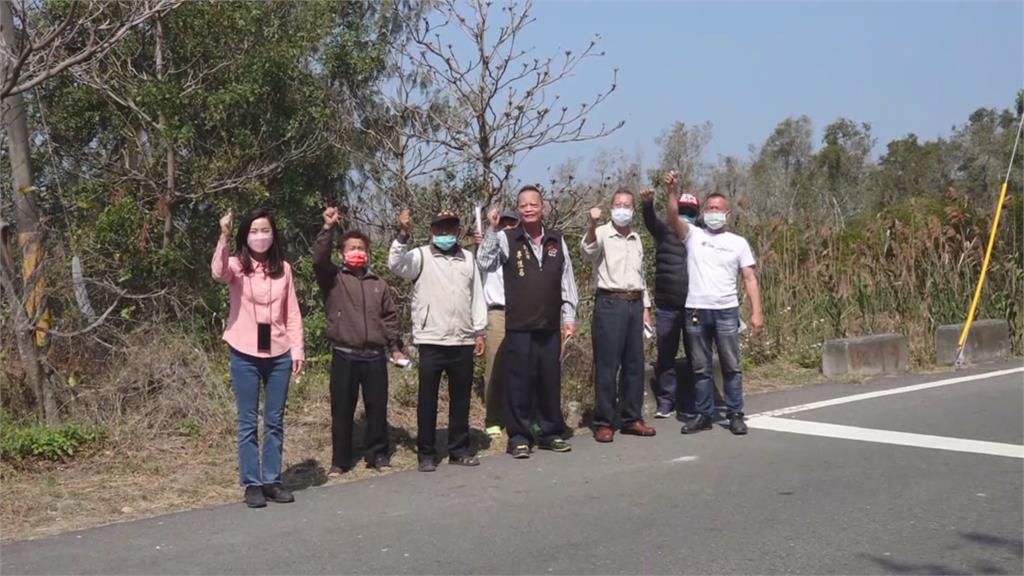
<point>673,381</point>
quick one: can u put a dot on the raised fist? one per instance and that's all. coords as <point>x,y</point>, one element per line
<point>646,194</point>
<point>405,220</point>
<point>595,214</point>
<point>672,179</point>
<point>225,223</point>
<point>494,216</point>
<point>331,217</point>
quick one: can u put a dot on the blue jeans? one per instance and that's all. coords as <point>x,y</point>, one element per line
<point>673,379</point>
<point>721,327</point>
<point>247,374</point>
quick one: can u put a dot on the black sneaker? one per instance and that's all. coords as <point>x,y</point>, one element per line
<point>379,462</point>
<point>254,497</point>
<point>696,424</point>
<point>277,493</point>
<point>556,445</point>
<point>736,424</point>
<point>427,465</point>
<point>520,452</point>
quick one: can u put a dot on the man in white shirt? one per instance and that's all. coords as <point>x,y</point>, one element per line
<point>494,370</point>
<point>621,307</point>
<point>715,257</point>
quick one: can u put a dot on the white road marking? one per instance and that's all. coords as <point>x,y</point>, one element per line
<point>683,459</point>
<point>885,436</point>
<point>890,392</point>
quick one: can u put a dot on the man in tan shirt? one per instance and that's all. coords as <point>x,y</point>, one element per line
<point>621,307</point>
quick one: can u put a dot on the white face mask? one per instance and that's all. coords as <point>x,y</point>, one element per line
<point>622,216</point>
<point>715,220</point>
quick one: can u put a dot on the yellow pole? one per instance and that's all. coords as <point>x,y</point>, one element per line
<point>981,280</point>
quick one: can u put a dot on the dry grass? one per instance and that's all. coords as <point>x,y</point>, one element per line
<point>131,477</point>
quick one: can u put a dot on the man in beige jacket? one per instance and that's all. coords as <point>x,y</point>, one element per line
<point>449,317</point>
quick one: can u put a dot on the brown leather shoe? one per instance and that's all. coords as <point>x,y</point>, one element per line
<point>638,428</point>
<point>604,434</point>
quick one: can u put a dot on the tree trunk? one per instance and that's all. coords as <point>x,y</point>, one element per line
<point>33,304</point>
<point>166,204</point>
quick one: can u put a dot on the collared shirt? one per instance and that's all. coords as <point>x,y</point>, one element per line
<point>494,287</point>
<point>618,260</point>
<point>256,298</point>
<point>494,252</point>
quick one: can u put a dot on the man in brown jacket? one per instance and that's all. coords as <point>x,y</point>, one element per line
<point>362,325</point>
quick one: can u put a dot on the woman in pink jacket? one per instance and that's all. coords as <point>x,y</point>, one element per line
<point>264,332</point>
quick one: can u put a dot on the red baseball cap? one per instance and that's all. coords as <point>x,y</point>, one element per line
<point>690,199</point>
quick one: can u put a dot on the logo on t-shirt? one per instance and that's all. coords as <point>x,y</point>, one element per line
<point>715,247</point>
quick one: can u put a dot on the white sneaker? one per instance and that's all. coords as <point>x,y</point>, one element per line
<point>660,414</point>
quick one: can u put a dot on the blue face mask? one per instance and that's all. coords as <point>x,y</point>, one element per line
<point>689,219</point>
<point>445,242</point>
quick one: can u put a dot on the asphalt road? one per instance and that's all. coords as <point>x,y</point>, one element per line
<point>768,503</point>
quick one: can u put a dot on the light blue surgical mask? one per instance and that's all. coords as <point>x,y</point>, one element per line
<point>690,219</point>
<point>622,216</point>
<point>444,242</point>
<point>715,220</point>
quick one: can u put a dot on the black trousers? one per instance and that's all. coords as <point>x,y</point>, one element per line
<point>457,363</point>
<point>533,387</point>
<point>348,374</point>
<point>618,341</point>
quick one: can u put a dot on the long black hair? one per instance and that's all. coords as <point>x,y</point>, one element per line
<point>275,261</point>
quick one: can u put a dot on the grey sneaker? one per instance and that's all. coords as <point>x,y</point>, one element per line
<point>520,452</point>
<point>556,445</point>
<point>736,424</point>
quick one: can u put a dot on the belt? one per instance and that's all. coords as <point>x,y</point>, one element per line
<point>496,307</point>
<point>630,295</point>
<point>365,353</point>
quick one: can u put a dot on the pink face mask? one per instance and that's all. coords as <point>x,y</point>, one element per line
<point>260,243</point>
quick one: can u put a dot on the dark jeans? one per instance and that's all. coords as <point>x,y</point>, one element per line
<point>533,386</point>
<point>721,327</point>
<point>457,363</point>
<point>248,374</point>
<point>673,378</point>
<point>618,342</point>
<point>348,374</point>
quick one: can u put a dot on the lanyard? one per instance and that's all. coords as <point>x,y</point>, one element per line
<point>270,296</point>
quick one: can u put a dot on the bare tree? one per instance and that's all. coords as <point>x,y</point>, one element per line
<point>682,150</point>
<point>400,159</point>
<point>86,31</point>
<point>501,101</point>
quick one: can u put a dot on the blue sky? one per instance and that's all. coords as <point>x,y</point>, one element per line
<point>903,67</point>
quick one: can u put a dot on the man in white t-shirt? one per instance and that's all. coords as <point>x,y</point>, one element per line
<point>715,257</point>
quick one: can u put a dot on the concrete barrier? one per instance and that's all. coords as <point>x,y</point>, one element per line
<point>865,355</point>
<point>988,340</point>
